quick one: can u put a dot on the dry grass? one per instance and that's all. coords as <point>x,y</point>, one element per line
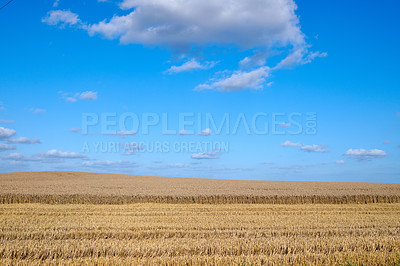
<point>171,234</point>
<point>122,219</point>
<point>74,187</point>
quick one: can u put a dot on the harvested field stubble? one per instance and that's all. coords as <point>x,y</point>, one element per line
<point>169,234</point>
<point>61,218</point>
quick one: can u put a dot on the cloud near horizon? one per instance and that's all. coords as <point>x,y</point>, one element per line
<point>205,155</point>
<point>24,140</point>
<point>365,155</point>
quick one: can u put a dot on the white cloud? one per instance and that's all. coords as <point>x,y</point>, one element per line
<point>7,121</point>
<point>288,143</point>
<point>205,155</point>
<point>299,56</point>
<point>24,140</point>
<point>6,133</point>
<point>268,162</point>
<point>386,142</point>
<point>363,154</point>
<point>20,157</point>
<point>239,80</point>
<point>122,133</point>
<point>178,165</point>
<point>37,111</point>
<point>314,148</point>
<point>340,162</point>
<point>62,18</point>
<point>251,23</point>
<point>56,3</point>
<point>61,155</point>
<point>257,60</point>
<point>180,25</point>
<point>189,66</point>
<point>88,95</point>
<point>109,164</point>
<point>6,147</point>
<point>205,132</point>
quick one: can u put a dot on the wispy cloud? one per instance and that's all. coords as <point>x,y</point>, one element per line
<point>86,95</point>
<point>74,130</point>
<point>107,164</point>
<point>190,66</point>
<point>6,121</point>
<point>205,132</point>
<point>239,80</point>
<point>122,133</point>
<point>205,155</point>
<point>23,140</point>
<point>363,154</point>
<point>184,132</point>
<point>314,148</point>
<point>61,155</point>
<point>288,143</point>
<point>37,111</point>
<point>62,18</point>
<point>6,147</point>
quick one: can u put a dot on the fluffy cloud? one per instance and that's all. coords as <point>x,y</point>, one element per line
<point>239,80</point>
<point>62,18</point>
<point>189,66</point>
<point>24,140</point>
<point>314,148</point>
<point>205,155</point>
<point>6,132</point>
<point>253,24</point>
<point>205,132</point>
<point>362,154</point>
<point>6,147</point>
<point>249,23</point>
<point>288,143</point>
<point>339,162</point>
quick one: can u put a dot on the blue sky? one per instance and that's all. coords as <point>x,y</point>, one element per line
<point>320,75</point>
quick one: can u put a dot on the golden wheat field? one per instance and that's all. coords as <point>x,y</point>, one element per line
<point>52,218</point>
